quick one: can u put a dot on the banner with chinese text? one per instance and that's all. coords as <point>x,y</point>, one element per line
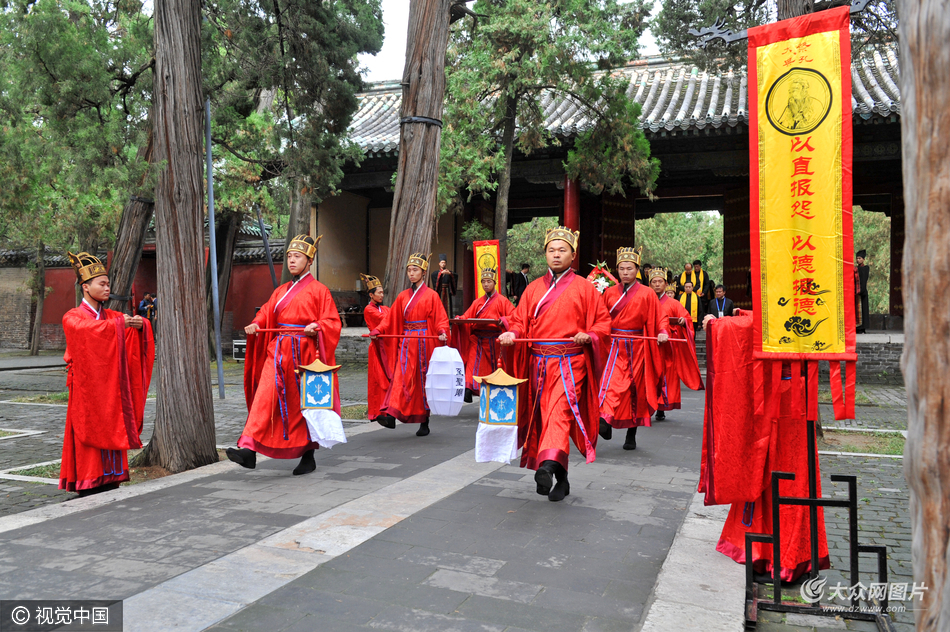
<point>800,149</point>
<point>486,256</point>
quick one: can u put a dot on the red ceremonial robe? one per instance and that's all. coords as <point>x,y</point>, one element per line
<point>109,368</point>
<point>742,446</point>
<point>627,394</point>
<point>418,313</point>
<point>275,426</point>
<point>380,358</point>
<point>679,358</point>
<point>558,403</point>
<point>477,344</point>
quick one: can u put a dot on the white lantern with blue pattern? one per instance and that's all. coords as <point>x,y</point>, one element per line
<point>317,403</point>
<point>497,436</point>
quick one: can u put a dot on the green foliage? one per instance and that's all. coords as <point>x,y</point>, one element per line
<point>283,77</point>
<point>474,230</point>
<point>670,240</point>
<point>74,84</point>
<point>872,232</point>
<point>875,26</point>
<point>530,53</point>
<point>526,245</point>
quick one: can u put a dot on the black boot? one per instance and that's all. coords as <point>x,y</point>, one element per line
<point>544,477</point>
<point>306,465</point>
<point>606,431</point>
<point>630,443</point>
<point>245,457</point>
<point>562,488</point>
<point>108,487</point>
<point>423,429</point>
<point>386,421</point>
<point>660,415</point>
<point>468,395</point>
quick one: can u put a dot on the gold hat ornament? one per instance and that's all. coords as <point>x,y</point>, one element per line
<point>629,254</point>
<point>564,234</point>
<point>658,272</point>
<point>489,273</point>
<point>370,282</point>
<point>300,244</point>
<point>87,266</point>
<point>419,260</point>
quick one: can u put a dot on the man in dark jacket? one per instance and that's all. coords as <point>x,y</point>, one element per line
<point>862,293</point>
<point>519,282</point>
<point>720,306</point>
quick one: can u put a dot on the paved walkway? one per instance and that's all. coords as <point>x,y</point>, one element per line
<point>396,532</point>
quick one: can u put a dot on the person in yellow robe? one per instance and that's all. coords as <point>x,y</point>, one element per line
<point>690,300</point>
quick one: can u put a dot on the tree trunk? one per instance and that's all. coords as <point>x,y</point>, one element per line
<point>794,8</point>
<point>130,237</point>
<point>184,422</point>
<point>504,186</point>
<point>423,89</point>
<point>299,223</point>
<point>39,290</point>
<point>226,238</point>
<point>925,122</point>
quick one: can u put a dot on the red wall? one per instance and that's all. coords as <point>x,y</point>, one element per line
<point>62,298</point>
<point>250,287</point>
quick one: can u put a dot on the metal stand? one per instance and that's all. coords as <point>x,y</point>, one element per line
<point>813,502</point>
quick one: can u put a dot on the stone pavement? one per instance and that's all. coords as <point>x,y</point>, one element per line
<point>404,533</point>
<point>393,531</point>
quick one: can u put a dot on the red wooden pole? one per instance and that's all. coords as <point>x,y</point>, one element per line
<point>572,211</point>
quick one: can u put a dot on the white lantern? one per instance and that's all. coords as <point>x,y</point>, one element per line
<point>497,436</point>
<point>445,382</point>
<point>317,403</point>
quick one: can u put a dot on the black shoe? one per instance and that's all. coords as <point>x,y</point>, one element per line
<point>468,395</point>
<point>306,465</point>
<point>660,415</point>
<point>630,443</point>
<point>562,488</point>
<point>245,457</point>
<point>423,429</point>
<point>386,421</point>
<point>606,431</point>
<point>544,477</point>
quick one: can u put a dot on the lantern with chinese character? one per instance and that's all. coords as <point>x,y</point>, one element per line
<point>497,436</point>
<point>445,382</point>
<point>318,402</point>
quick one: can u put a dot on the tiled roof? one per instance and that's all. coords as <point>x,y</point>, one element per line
<point>673,96</point>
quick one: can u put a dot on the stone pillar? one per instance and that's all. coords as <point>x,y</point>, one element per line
<point>736,253</point>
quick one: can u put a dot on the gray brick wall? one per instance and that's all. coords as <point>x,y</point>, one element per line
<point>352,349</point>
<point>878,363</point>
<point>14,308</point>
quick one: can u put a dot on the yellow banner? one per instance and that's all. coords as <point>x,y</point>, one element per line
<point>801,239</point>
<point>486,257</point>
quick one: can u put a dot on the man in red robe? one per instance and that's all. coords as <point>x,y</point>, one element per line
<point>478,343</point>
<point>379,372</point>
<point>679,358</point>
<point>109,358</point>
<point>417,312</point>
<point>299,320</point>
<point>627,386</point>
<point>755,424</point>
<point>558,404</point>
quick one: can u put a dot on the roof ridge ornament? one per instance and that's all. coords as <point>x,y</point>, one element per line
<point>719,31</point>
